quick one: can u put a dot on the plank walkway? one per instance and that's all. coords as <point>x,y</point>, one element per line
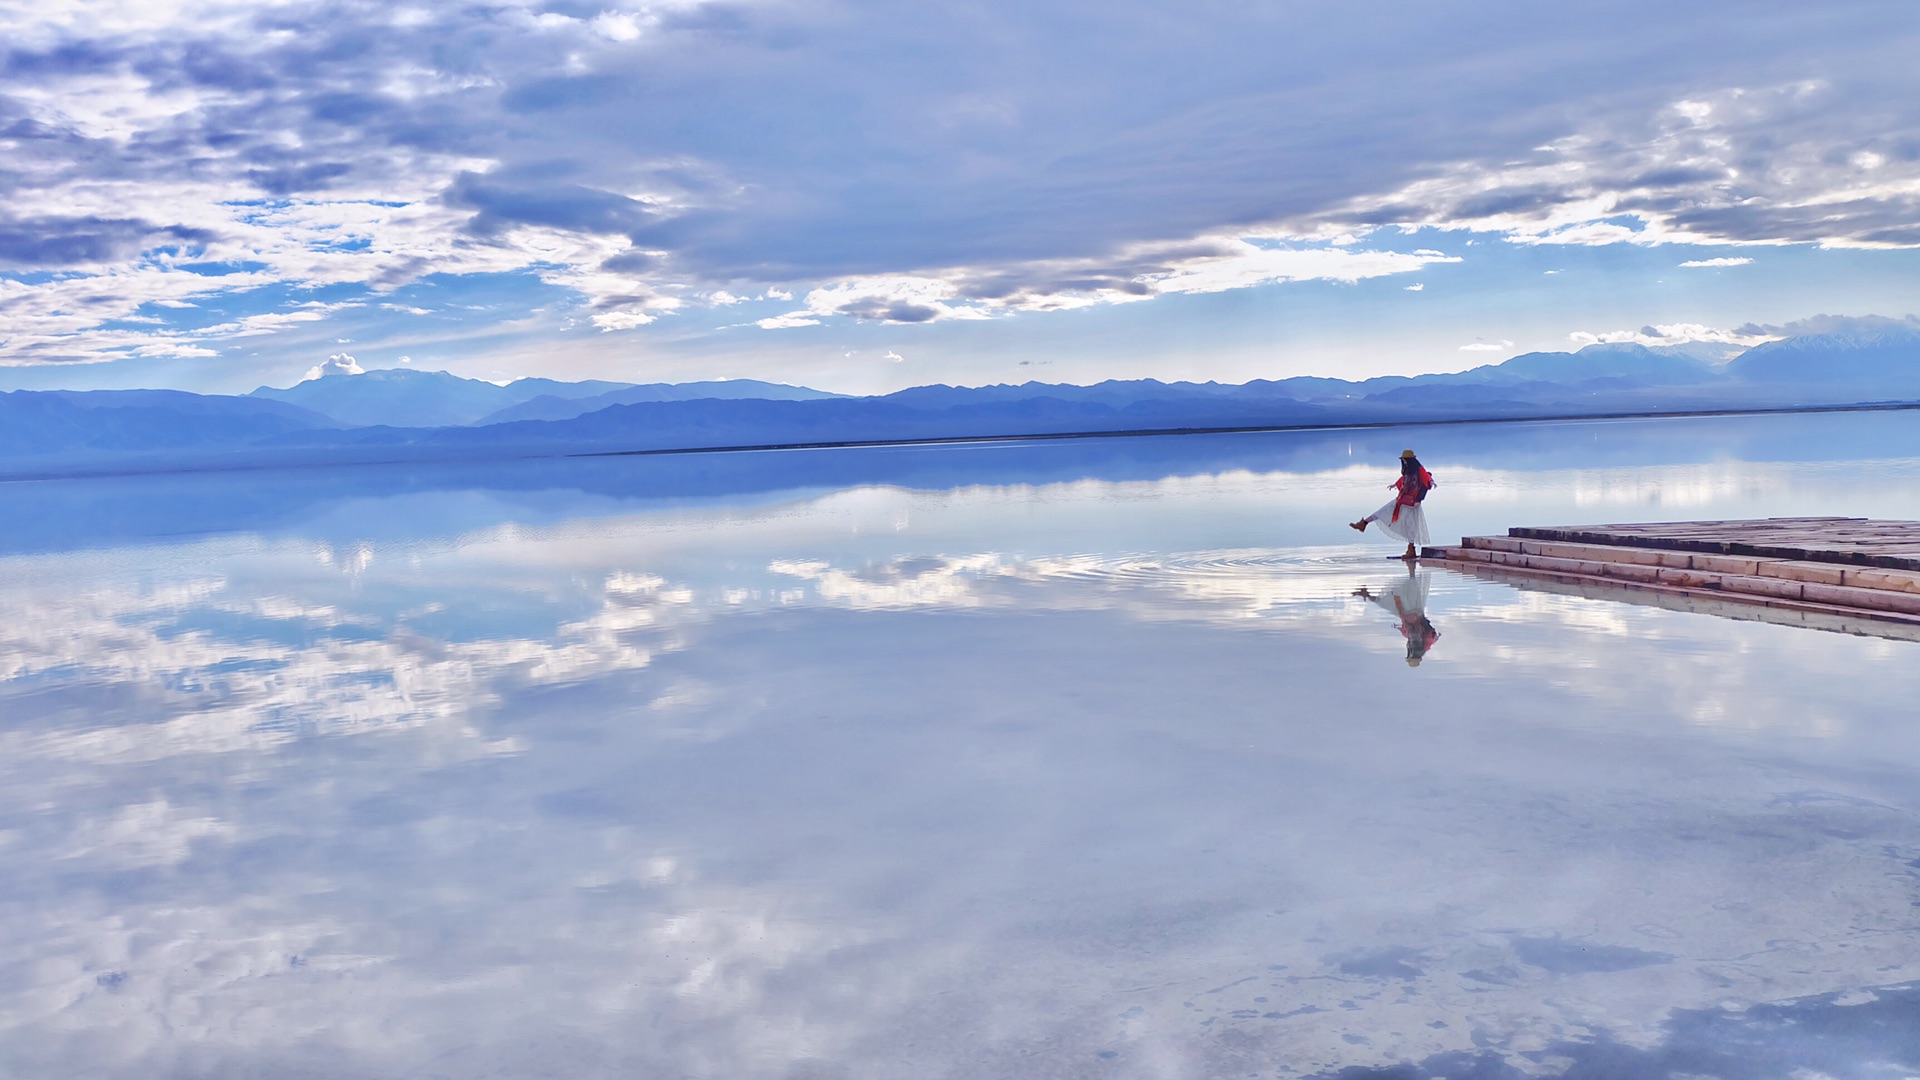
<point>1852,575</point>
<point>1858,541</point>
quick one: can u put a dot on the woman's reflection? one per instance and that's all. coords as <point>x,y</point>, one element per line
<point>1407,599</point>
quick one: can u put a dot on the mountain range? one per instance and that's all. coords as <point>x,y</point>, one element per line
<point>403,413</point>
<point>403,397</point>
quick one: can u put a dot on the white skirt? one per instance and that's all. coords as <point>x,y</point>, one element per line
<point>1412,526</point>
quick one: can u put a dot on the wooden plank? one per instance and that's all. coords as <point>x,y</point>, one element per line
<point>1797,570</point>
<point>1867,568</point>
<point>1893,545</point>
<point>1708,602</point>
<point>1776,585</point>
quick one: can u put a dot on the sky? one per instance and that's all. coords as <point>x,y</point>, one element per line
<point>219,194</point>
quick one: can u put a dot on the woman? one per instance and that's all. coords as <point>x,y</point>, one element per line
<point>1403,517</point>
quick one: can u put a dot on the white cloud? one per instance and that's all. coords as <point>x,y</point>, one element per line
<point>272,321</point>
<point>622,320</point>
<point>337,364</point>
<point>1740,261</point>
<point>1415,287</point>
<point>175,349</point>
<point>1674,334</point>
<point>1486,346</point>
<point>616,26</point>
<point>1244,264</point>
<point>788,321</point>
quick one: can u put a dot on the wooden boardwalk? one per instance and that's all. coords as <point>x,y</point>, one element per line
<point>1852,575</point>
<point>1854,541</point>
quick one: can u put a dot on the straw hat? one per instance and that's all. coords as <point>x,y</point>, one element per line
<point>1405,454</point>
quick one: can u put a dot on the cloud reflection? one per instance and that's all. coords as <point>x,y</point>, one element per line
<point>897,783</point>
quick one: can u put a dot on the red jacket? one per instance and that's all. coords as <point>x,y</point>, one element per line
<point>1411,494</point>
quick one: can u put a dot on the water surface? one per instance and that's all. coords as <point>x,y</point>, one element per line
<point>1089,759</point>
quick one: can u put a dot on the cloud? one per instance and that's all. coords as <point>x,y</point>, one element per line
<point>337,364</point>
<point>893,357</point>
<point>1676,334</point>
<point>1243,262</point>
<point>1487,346</point>
<point>621,320</point>
<point>788,321</point>
<point>899,299</point>
<point>268,322</point>
<point>1208,265</point>
<point>172,349</point>
<point>1741,261</point>
<point>644,158</point>
<point>1843,325</point>
<point>1415,287</point>
<point>504,201</point>
<point>87,240</point>
<point>1768,164</point>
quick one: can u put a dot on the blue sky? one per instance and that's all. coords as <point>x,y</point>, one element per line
<point>216,194</point>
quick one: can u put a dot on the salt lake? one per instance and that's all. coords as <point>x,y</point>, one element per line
<point>1090,758</point>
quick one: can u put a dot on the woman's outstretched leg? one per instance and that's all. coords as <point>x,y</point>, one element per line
<point>1358,526</point>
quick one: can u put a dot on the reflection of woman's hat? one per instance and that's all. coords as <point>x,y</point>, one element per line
<point>1413,661</point>
<point>1405,454</point>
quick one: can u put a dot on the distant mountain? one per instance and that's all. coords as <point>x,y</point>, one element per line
<point>1621,366</point>
<point>1711,352</point>
<point>1604,378</point>
<point>37,423</point>
<point>403,397</point>
<point>565,407</point>
<point>347,415</point>
<point>1878,364</point>
<point>1117,393</point>
<point>1627,363</point>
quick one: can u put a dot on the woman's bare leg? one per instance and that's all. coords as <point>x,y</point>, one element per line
<point>1411,554</point>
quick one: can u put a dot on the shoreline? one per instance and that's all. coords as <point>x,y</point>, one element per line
<point>1255,429</point>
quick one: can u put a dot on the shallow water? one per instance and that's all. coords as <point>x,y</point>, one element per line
<point>1064,760</point>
